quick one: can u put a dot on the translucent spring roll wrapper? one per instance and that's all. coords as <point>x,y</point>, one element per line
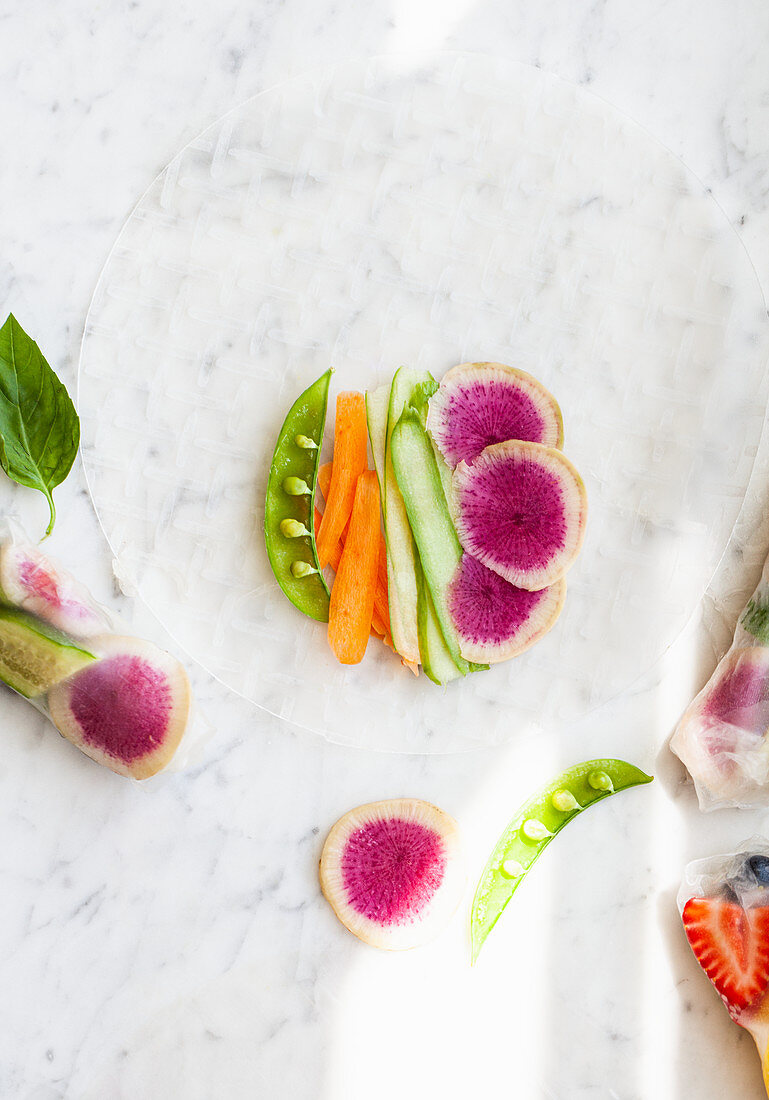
<point>121,700</point>
<point>723,736</point>
<point>724,907</point>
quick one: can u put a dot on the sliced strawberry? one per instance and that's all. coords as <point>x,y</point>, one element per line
<point>731,945</point>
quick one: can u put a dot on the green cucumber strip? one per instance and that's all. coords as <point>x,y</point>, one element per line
<point>437,662</point>
<point>401,570</point>
<point>535,824</point>
<point>306,420</point>
<point>418,479</point>
<point>420,398</point>
<point>377,409</point>
<point>377,406</point>
<point>443,470</point>
<point>34,657</point>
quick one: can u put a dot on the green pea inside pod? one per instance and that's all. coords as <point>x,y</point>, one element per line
<point>534,826</point>
<point>289,507</point>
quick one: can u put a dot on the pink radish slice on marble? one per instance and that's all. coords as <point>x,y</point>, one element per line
<point>127,711</point>
<point>392,872</point>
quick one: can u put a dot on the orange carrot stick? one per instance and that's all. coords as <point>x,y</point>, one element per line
<point>350,458</point>
<point>336,553</point>
<point>381,601</point>
<point>324,479</point>
<point>379,625</point>
<point>352,596</point>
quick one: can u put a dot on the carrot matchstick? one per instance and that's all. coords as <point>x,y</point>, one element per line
<point>351,607</point>
<point>350,459</point>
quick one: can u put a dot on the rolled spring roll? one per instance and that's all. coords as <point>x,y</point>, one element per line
<point>722,737</point>
<point>122,701</point>
<point>724,907</point>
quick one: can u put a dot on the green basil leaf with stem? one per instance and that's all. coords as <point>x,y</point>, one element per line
<point>39,428</point>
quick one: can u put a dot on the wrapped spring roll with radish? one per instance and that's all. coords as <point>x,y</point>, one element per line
<point>724,907</point>
<point>723,738</point>
<point>122,701</point>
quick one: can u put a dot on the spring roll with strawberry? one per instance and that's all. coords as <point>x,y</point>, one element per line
<point>724,906</point>
<point>723,736</point>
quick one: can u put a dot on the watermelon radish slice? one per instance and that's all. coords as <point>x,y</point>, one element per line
<point>29,581</point>
<point>521,509</point>
<point>479,404</point>
<point>392,872</point>
<point>494,619</point>
<point>127,711</point>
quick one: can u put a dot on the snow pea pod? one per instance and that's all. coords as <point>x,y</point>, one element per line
<point>534,826</point>
<point>289,528</point>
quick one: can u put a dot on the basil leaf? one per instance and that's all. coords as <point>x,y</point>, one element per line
<point>39,428</point>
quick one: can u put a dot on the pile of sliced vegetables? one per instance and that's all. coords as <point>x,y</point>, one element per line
<point>453,548</point>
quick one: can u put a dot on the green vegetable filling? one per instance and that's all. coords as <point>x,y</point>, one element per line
<point>755,619</point>
<point>34,657</point>
<point>290,502</point>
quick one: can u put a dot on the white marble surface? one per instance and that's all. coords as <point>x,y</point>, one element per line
<point>380,212</point>
<point>171,941</point>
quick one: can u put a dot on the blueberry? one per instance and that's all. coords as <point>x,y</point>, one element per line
<point>759,868</point>
<point>728,894</point>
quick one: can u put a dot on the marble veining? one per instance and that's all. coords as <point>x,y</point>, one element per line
<point>171,940</point>
<point>426,212</point>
